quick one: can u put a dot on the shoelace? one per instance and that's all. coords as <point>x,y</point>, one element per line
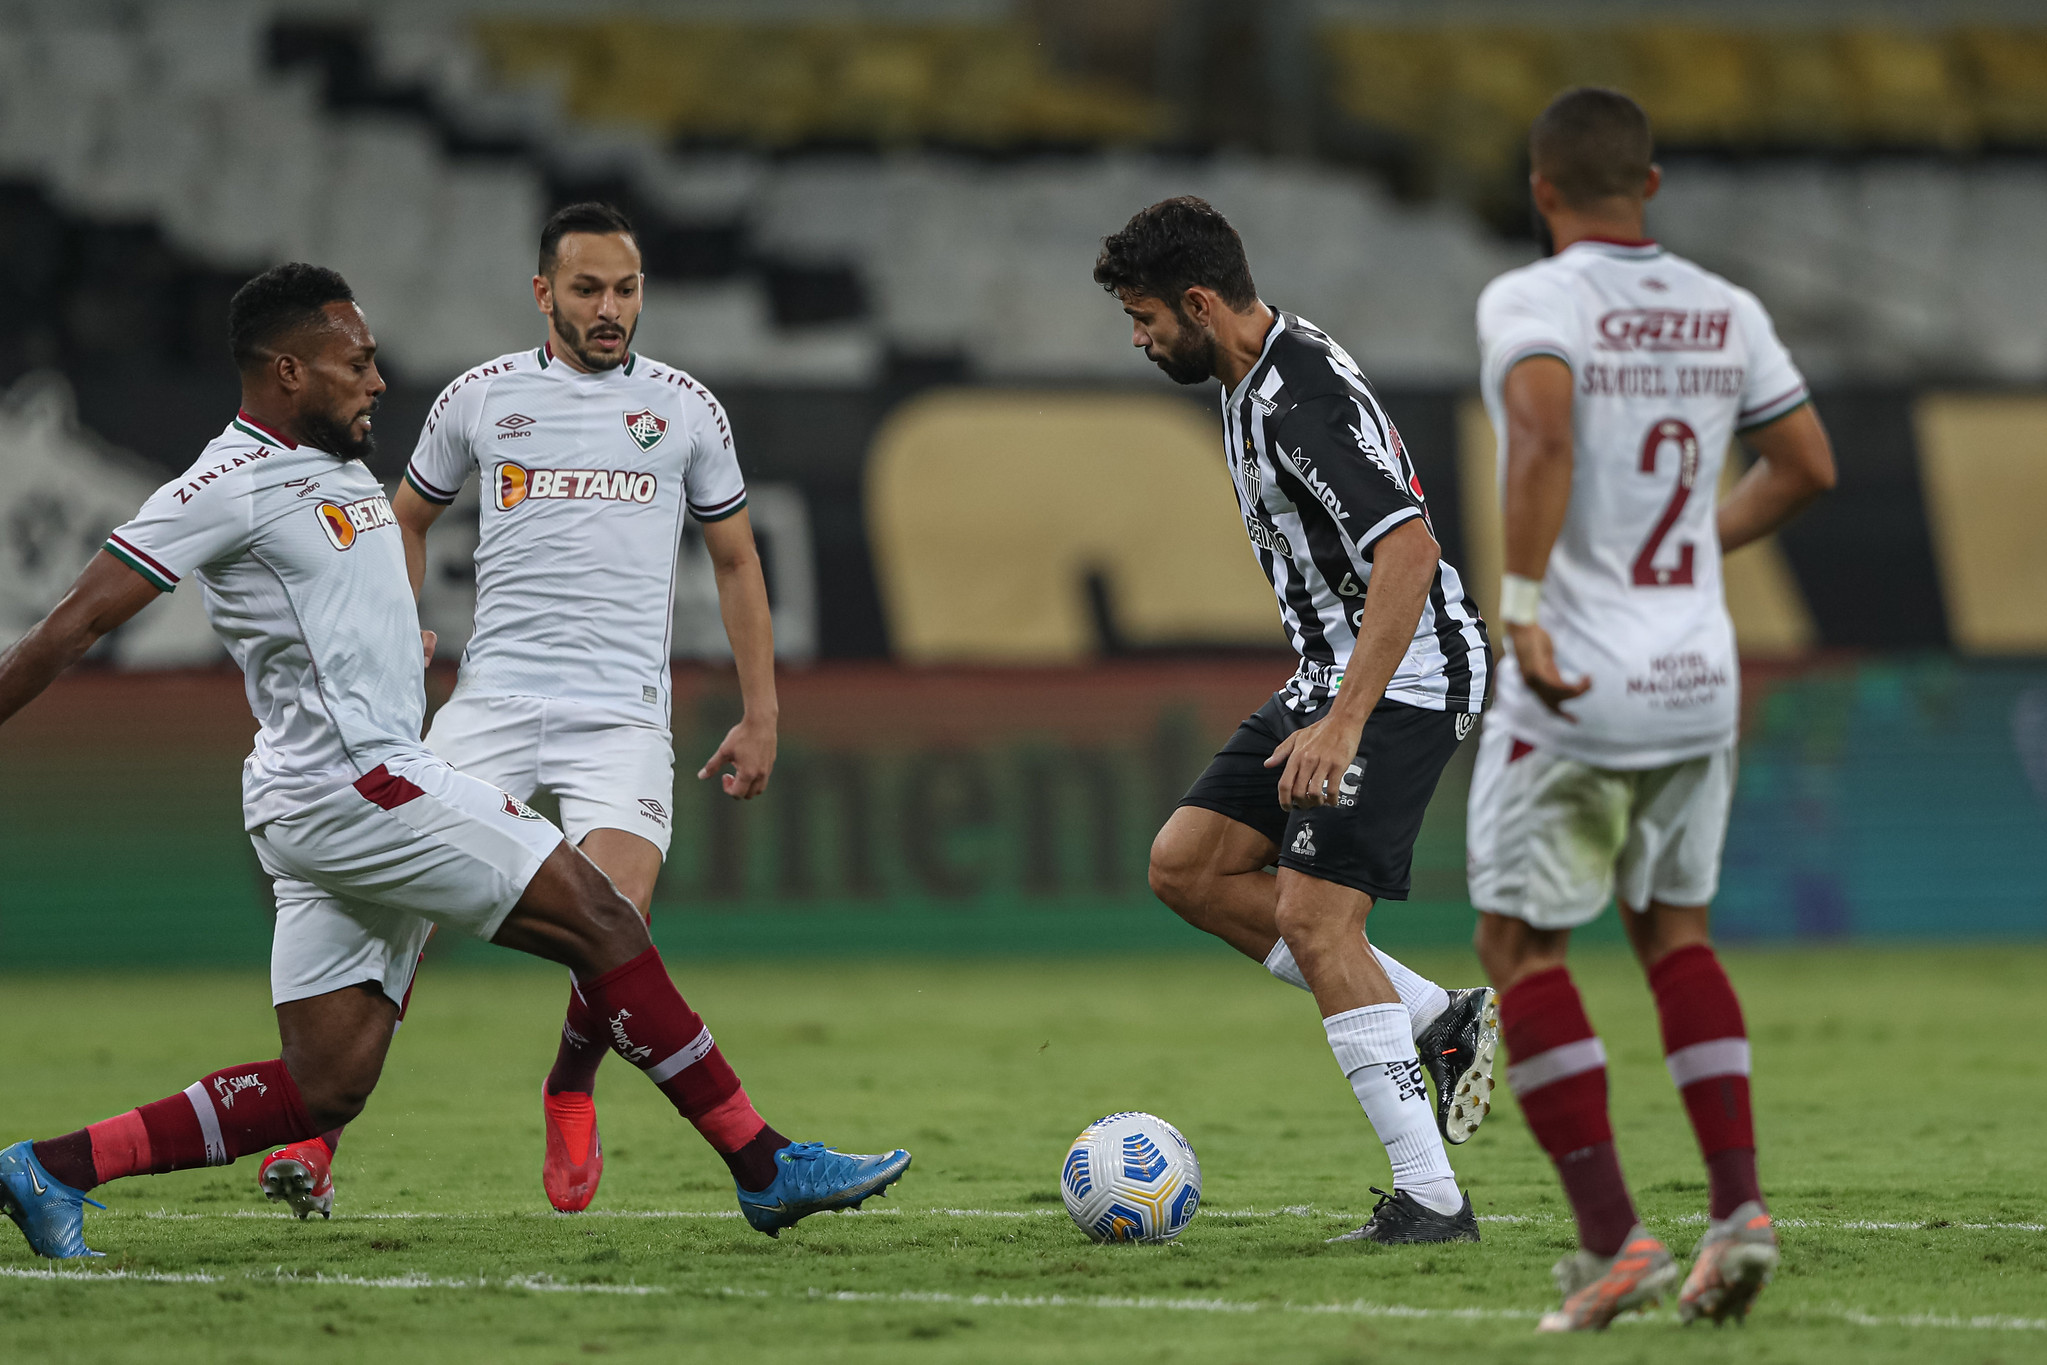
<point>1385,1198</point>
<point>803,1151</point>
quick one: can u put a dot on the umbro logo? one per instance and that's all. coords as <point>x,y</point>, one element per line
<point>514,425</point>
<point>654,811</point>
<point>1304,842</point>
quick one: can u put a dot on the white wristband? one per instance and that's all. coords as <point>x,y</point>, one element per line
<point>1520,599</point>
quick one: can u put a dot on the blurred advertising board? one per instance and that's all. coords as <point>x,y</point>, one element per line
<point>1010,810</point>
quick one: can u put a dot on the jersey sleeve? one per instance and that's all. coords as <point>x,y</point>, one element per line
<point>182,528</point>
<point>712,484</point>
<point>1522,315</point>
<point>1773,386</point>
<point>444,455</point>
<point>1347,455</point>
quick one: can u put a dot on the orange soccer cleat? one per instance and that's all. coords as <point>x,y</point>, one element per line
<point>1733,1262</point>
<point>301,1175</point>
<point>575,1153</point>
<point>1598,1289</point>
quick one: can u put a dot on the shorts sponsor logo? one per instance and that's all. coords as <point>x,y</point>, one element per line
<point>645,428</point>
<point>516,807</point>
<point>1304,842</point>
<point>1347,785</point>
<point>344,521</point>
<point>1465,720</point>
<point>625,1046</point>
<point>514,484</point>
<point>1664,329</point>
<point>225,1088</point>
<point>512,427</point>
<point>654,811</point>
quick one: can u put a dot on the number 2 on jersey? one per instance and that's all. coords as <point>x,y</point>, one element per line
<point>1669,431</point>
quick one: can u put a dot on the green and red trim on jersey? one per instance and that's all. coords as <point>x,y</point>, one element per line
<point>158,577</point>
<point>249,426</point>
<point>425,489</point>
<point>1783,405</point>
<point>719,511</point>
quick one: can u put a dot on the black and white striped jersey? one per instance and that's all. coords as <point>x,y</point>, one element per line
<point>1321,476</point>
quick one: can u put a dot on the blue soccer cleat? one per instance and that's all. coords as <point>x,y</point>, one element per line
<point>812,1178</point>
<point>50,1214</point>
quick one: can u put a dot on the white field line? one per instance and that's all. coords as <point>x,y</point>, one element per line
<point>1292,1211</point>
<point>546,1284</point>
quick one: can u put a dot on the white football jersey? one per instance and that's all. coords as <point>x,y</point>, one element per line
<point>1669,361</point>
<point>303,572</point>
<point>585,481</point>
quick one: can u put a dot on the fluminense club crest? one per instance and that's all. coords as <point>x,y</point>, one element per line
<point>646,428</point>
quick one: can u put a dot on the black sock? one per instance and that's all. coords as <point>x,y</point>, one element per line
<point>753,1165</point>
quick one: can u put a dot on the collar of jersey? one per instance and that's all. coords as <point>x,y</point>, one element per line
<point>546,357</point>
<point>1271,335</point>
<point>249,426</point>
<point>1614,246</point>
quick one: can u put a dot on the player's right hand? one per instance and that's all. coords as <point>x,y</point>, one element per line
<point>1537,659</point>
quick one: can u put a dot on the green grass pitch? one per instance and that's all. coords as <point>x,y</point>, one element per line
<point>1902,1112</point>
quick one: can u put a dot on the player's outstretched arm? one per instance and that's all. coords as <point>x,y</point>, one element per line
<point>749,746</point>
<point>415,514</point>
<point>1794,465</point>
<point>1537,397</point>
<point>105,595</point>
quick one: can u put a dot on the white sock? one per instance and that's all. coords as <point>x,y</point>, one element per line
<point>1376,1052</point>
<point>1424,999</point>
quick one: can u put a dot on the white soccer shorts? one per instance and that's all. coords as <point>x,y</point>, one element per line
<point>1550,840</point>
<point>607,772</point>
<point>363,874</point>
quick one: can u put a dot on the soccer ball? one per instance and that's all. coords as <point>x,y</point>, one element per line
<point>1131,1178</point>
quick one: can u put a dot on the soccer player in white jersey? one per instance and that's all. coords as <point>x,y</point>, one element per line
<point>1616,375</point>
<point>1330,778</point>
<point>369,838</point>
<point>589,456</point>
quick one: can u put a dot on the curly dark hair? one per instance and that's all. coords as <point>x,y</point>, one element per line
<point>277,303</point>
<point>1592,144</point>
<point>1172,246</point>
<point>591,216</point>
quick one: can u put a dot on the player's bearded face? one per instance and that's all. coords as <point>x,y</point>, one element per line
<point>1183,349</point>
<point>344,387</point>
<point>603,345</point>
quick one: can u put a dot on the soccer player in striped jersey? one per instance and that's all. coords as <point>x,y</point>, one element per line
<point>1329,779</point>
<point>1616,375</point>
<point>590,456</point>
<point>369,838</point>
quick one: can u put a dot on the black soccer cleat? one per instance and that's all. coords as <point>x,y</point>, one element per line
<point>1459,1049</point>
<point>1400,1217</point>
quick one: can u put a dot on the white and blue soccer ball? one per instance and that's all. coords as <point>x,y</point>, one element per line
<point>1131,1178</point>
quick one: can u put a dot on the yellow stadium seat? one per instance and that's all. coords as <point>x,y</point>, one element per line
<point>2008,73</point>
<point>1906,89</point>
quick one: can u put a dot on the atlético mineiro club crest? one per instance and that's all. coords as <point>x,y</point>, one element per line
<point>645,428</point>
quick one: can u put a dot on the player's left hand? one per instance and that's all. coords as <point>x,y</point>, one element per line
<point>426,643</point>
<point>1315,757</point>
<point>749,749</point>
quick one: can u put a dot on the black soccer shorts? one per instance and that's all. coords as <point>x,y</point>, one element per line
<point>1366,840</point>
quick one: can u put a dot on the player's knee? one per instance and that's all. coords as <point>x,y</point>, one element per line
<point>1175,878</point>
<point>612,922</point>
<point>1304,927</point>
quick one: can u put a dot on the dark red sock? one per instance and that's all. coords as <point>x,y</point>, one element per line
<point>228,1114</point>
<point>1705,1046</point>
<point>753,1165</point>
<point>68,1158</point>
<point>332,1139</point>
<point>644,1020</point>
<point>1558,1074</point>
<point>583,1045</point>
